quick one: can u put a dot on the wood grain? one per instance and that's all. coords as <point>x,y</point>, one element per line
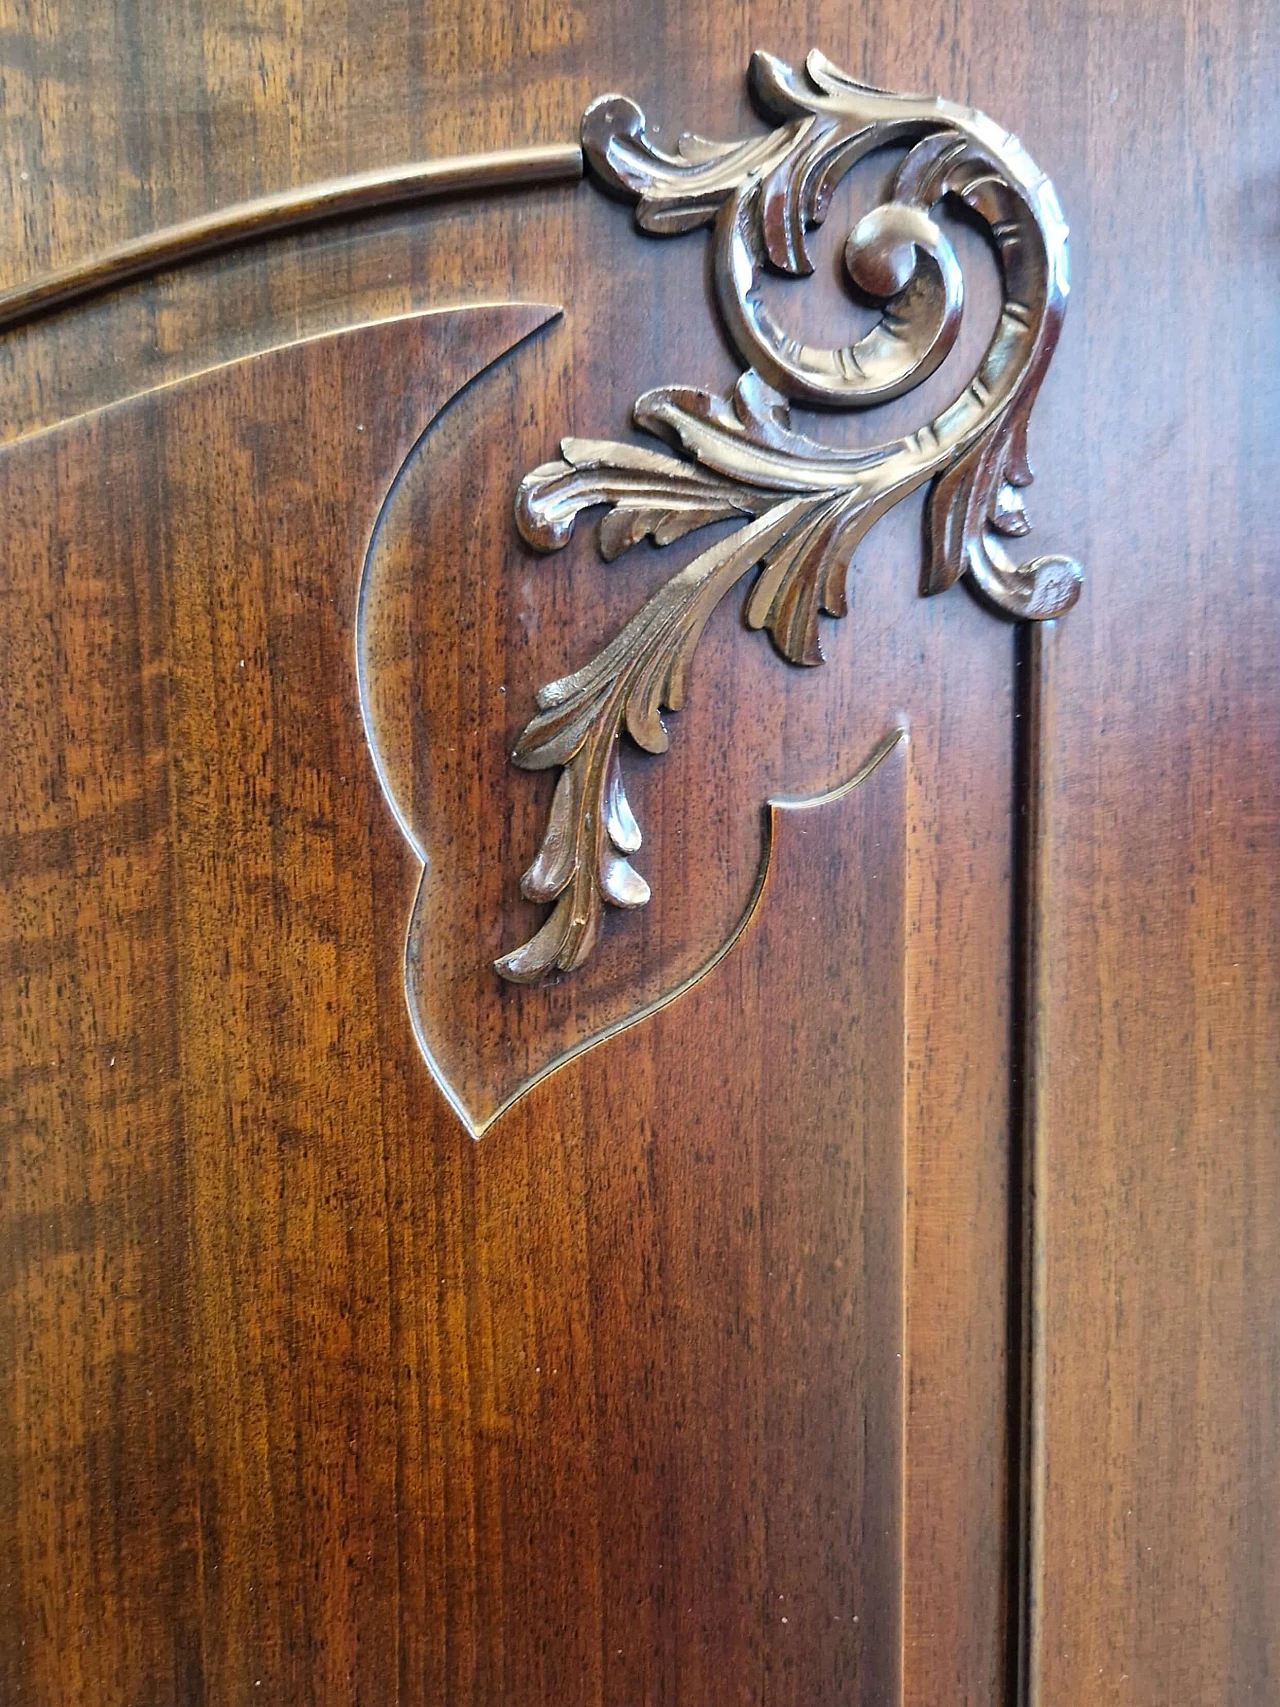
<point>459,175</point>
<point>164,774</point>
<point>301,1386</point>
<point>1159,1122</point>
<point>279,1333</point>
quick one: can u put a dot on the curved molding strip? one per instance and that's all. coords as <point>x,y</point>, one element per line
<point>288,210</point>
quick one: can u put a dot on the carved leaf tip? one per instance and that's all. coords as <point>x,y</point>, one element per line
<point>564,943</point>
<point>608,124</point>
<point>1035,591</point>
<point>619,819</point>
<point>775,87</point>
<point>583,861</point>
<point>647,493</point>
<point>1008,512</point>
<point>557,857</point>
<point>541,522</point>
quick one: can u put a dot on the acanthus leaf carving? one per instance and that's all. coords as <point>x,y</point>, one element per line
<point>801,506</point>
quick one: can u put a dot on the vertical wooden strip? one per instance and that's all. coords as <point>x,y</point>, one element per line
<point>834,1178</point>
<point>746,1236</point>
<point>1028,1360</point>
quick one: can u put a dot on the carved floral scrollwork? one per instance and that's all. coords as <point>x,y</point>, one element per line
<point>802,506</point>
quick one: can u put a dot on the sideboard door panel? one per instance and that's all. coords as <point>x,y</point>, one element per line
<point>313,1393</point>
<point>839,1270</point>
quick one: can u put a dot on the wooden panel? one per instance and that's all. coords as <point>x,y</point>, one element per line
<point>307,1392</point>
<point>187,882</point>
<point>1158,1093</point>
<point>272,1439</point>
<point>1159,1578</point>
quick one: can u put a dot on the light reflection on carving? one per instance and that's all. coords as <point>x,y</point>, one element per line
<point>801,506</point>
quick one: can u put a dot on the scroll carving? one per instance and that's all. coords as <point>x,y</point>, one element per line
<point>800,506</point>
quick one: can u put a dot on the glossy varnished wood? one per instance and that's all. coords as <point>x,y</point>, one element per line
<point>623,1456</point>
<point>307,1397</point>
<point>150,950</point>
<point>458,175</point>
<point>1158,1118</point>
<point>273,1410</point>
<point>370,1496</point>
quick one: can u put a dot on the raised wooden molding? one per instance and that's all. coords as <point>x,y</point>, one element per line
<point>287,210</point>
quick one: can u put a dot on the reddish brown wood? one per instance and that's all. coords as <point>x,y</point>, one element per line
<point>298,1384</point>
<point>458,175</point>
<point>1159,1122</point>
<point>306,1387</point>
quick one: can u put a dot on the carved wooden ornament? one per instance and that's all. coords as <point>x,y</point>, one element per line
<point>801,506</point>
<point>789,512</point>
